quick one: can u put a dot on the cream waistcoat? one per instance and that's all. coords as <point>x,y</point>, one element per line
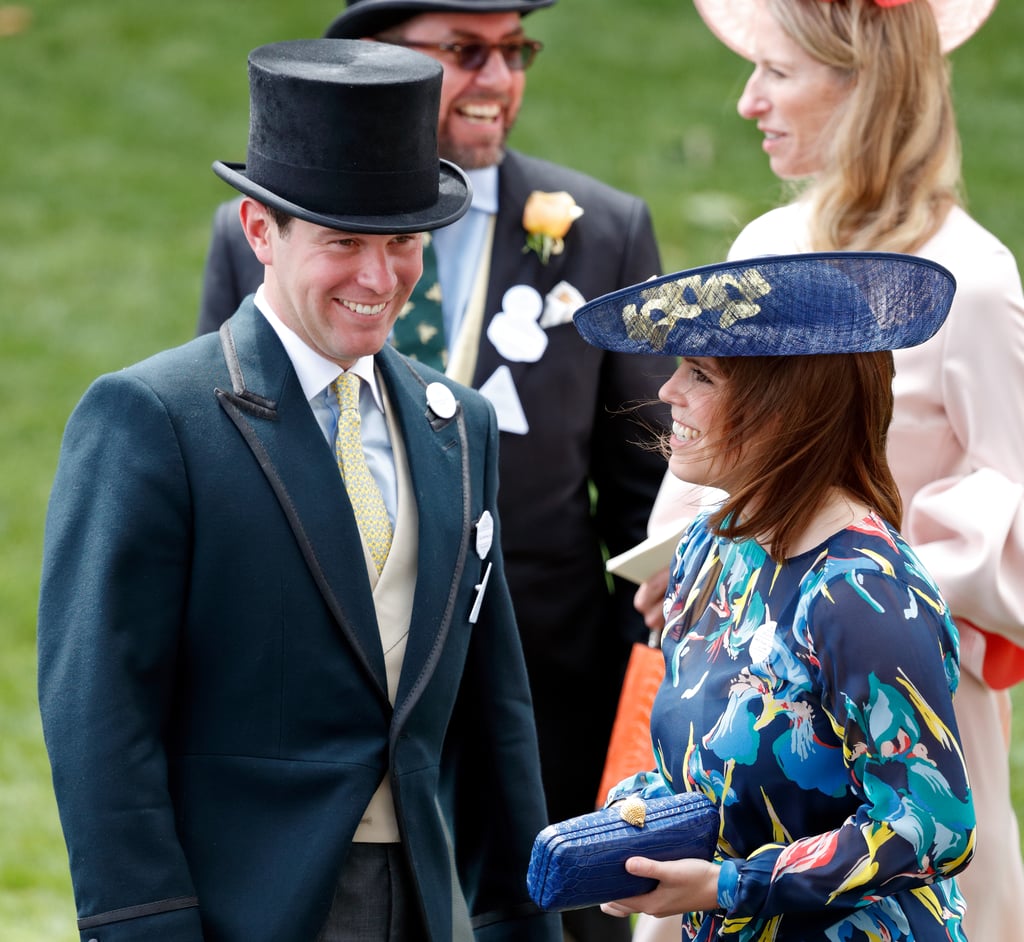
<point>392,598</point>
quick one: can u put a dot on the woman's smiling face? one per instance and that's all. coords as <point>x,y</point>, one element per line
<point>696,394</point>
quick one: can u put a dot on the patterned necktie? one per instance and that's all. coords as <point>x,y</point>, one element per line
<point>363,492</point>
<point>419,330</point>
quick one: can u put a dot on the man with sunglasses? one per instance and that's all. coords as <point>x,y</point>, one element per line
<point>566,436</point>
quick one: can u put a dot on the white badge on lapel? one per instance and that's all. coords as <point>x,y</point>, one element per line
<point>514,331</point>
<point>441,400</point>
<point>484,538</point>
<point>484,534</point>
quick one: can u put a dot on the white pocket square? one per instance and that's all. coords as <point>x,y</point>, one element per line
<point>560,305</point>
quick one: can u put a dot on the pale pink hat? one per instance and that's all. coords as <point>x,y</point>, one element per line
<point>733,22</point>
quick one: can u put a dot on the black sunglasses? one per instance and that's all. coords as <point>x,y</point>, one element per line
<point>472,55</point>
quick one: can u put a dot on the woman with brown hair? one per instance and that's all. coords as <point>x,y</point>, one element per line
<point>810,661</point>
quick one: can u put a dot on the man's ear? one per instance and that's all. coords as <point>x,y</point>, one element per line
<point>257,225</point>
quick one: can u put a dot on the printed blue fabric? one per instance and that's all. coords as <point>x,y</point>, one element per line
<point>811,701</point>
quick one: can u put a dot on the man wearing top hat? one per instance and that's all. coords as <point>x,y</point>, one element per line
<point>281,684</point>
<point>559,402</point>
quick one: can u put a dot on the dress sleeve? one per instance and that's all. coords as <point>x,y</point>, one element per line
<point>884,666</point>
<point>968,527</point>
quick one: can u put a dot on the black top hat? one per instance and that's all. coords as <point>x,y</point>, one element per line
<point>344,134</point>
<point>369,17</point>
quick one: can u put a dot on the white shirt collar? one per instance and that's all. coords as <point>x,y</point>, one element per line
<point>315,372</point>
<point>485,188</point>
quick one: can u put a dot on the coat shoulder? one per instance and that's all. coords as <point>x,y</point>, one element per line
<point>611,245</point>
<point>539,174</point>
<point>178,372</point>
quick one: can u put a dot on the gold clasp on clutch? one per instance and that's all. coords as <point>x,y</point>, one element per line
<point>634,811</point>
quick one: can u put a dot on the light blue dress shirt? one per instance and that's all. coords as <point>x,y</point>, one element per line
<point>458,249</point>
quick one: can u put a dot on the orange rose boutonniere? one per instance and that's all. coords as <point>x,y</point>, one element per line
<point>547,217</point>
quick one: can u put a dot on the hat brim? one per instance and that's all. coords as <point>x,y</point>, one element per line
<point>776,305</point>
<point>734,21</point>
<point>453,201</point>
<point>370,17</point>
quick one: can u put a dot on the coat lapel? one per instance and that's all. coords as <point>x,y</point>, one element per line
<point>267,405</point>
<point>510,265</point>
<point>438,458</point>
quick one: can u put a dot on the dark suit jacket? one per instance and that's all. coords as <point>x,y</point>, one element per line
<point>582,433</point>
<point>211,678</point>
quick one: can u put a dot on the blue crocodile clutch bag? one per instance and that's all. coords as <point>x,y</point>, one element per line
<point>581,862</point>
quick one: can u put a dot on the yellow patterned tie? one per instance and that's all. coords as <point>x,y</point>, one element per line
<point>363,492</point>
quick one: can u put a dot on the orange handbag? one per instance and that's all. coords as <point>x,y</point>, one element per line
<point>629,749</point>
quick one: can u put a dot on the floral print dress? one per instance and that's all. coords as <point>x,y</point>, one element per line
<point>811,700</point>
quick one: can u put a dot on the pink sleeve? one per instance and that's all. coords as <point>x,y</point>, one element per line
<point>968,527</point>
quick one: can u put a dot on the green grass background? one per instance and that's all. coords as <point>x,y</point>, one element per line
<point>111,112</point>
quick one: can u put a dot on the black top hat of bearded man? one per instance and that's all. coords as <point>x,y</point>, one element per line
<point>343,134</point>
<point>776,305</point>
<point>369,17</point>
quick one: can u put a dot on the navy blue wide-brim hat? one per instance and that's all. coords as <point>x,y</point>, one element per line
<point>343,133</point>
<point>776,305</point>
<point>368,17</point>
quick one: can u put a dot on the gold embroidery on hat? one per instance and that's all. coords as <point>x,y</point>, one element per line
<point>671,301</point>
